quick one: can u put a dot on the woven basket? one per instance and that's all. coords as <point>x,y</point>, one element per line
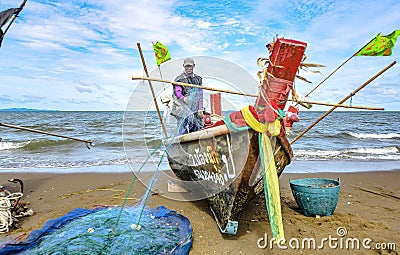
<point>316,196</point>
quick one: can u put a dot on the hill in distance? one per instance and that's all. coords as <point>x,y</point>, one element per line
<point>24,110</point>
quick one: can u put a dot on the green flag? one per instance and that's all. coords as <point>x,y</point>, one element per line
<point>381,45</point>
<point>161,52</point>
<point>5,16</point>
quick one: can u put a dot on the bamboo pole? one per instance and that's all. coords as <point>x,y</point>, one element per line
<point>338,105</point>
<point>245,94</point>
<point>337,68</point>
<point>46,133</point>
<point>327,77</point>
<point>192,85</point>
<point>152,90</point>
<point>342,101</point>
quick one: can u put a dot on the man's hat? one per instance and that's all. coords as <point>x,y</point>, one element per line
<point>188,61</point>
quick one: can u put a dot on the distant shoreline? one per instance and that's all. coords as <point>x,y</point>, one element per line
<point>26,110</point>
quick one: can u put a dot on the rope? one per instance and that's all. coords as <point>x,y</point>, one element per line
<point>267,98</point>
<point>6,205</point>
<point>351,98</point>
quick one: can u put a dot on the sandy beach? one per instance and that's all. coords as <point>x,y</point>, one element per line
<point>368,209</point>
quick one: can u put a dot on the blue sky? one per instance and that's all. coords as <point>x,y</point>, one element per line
<point>81,55</point>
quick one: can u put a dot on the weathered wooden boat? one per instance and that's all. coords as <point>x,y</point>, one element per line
<point>225,166</point>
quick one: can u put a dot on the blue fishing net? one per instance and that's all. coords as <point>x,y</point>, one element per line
<point>110,231</point>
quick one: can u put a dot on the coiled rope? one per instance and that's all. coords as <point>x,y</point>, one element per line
<point>6,205</point>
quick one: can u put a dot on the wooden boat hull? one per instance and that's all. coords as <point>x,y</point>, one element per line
<point>225,167</point>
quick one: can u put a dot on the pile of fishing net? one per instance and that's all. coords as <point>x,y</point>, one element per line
<point>113,230</point>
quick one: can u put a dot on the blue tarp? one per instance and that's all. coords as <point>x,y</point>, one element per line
<point>161,217</point>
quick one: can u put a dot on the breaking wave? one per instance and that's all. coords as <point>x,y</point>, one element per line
<point>12,145</point>
<point>375,136</point>
<point>385,153</point>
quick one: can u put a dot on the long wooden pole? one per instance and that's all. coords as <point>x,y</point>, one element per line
<point>342,101</point>
<point>327,77</point>
<point>337,68</point>
<point>192,85</point>
<point>46,133</point>
<point>245,94</point>
<point>338,105</point>
<point>152,90</point>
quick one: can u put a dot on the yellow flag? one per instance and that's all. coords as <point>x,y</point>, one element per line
<point>161,52</point>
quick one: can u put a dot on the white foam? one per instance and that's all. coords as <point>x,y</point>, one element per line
<point>378,151</point>
<point>12,145</point>
<point>385,153</point>
<point>317,153</point>
<point>319,166</point>
<point>375,136</point>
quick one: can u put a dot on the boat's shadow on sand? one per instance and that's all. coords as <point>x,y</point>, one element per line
<point>252,215</point>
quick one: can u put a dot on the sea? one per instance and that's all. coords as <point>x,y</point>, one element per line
<point>344,141</point>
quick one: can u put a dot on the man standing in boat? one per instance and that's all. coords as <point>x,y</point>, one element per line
<point>187,107</point>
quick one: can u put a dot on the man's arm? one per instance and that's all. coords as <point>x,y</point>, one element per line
<point>178,92</point>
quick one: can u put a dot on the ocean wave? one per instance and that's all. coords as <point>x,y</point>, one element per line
<point>153,143</point>
<point>12,145</point>
<point>40,144</point>
<point>62,164</point>
<point>377,151</point>
<point>384,153</point>
<point>316,154</point>
<point>109,144</point>
<point>375,136</point>
<point>134,162</point>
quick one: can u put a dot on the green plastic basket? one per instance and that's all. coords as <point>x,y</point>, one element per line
<point>316,196</point>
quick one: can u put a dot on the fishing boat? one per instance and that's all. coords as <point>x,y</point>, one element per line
<point>225,166</point>
<point>228,165</point>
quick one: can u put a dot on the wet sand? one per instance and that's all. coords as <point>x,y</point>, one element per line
<point>368,208</point>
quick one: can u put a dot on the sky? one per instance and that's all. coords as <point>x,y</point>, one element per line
<point>81,55</point>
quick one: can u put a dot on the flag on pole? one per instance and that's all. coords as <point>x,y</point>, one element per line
<point>381,45</point>
<point>161,52</point>
<point>6,15</point>
<point>4,18</point>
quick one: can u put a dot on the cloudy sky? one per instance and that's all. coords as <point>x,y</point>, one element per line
<point>81,55</point>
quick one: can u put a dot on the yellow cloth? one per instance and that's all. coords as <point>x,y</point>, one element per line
<point>271,189</point>
<point>252,121</point>
<point>273,128</point>
<point>271,183</point>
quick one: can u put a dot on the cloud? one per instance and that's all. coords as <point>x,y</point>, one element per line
<point>24,99</point>
<point>83,90</point>
<point>6,99</point>
<point>73,52</point>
